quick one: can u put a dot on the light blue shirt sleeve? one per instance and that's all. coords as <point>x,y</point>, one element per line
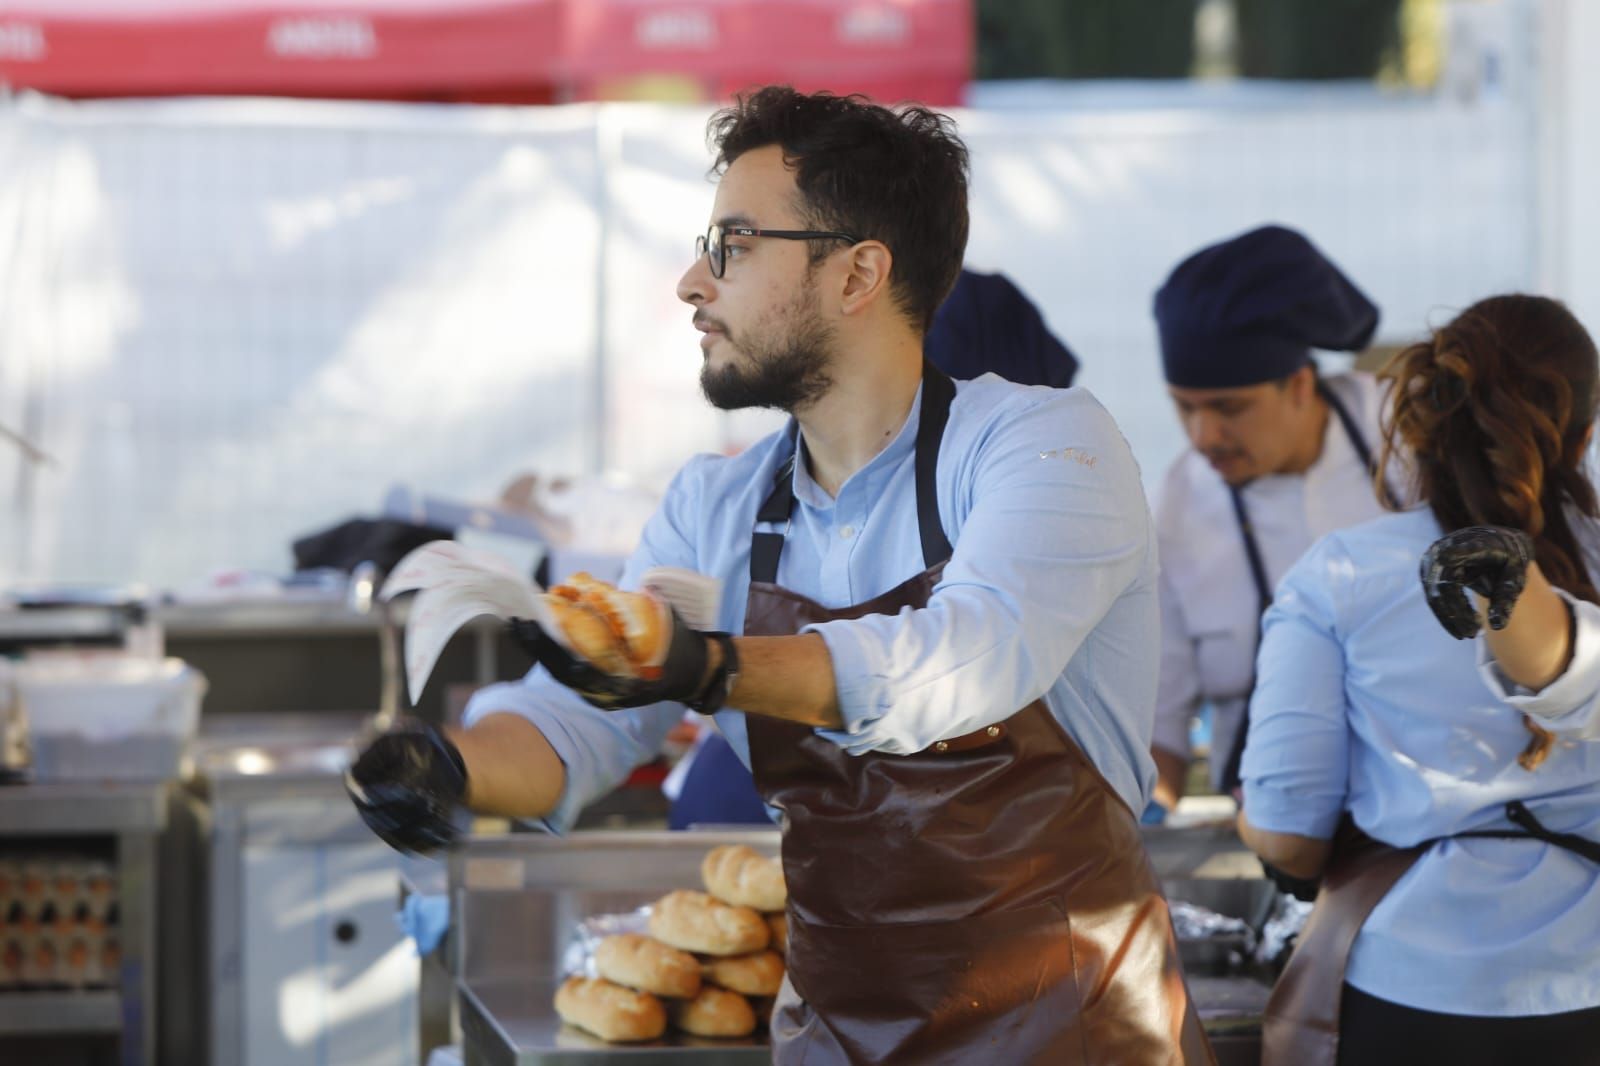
<point>1057,529</point>
<point>600,748</point>
<point>1569,706</point>
<point>1296,760</point>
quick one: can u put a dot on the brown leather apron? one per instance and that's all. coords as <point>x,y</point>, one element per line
<point>987,900</point>
<point>1301,1024</point>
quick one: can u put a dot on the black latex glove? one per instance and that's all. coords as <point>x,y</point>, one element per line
<point>1489,560</point>
<point>1301,888</point>
<point>683,674</point>
<point>406,786</point>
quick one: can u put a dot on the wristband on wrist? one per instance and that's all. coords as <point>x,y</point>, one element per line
<point>717,687</point>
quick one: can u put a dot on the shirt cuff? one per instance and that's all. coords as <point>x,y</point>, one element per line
<point>1280,811</point>
<point>862,690</point>
<point>1574,689</point>
<point>491,700</point>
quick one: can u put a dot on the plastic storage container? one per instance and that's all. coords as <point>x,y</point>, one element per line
<point>117,717</point>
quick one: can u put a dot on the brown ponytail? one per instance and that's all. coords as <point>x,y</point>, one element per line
<point>1492,416</point>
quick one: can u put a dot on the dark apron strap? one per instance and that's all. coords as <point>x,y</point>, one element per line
<point>1529,827</point>
<point>937,393</point>
<point>1258,575</point>
<point>765,548</point>
<point>1358,441</point>
<point>1258,570</point>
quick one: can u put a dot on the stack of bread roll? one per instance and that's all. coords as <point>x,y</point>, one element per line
<point>708,955</point>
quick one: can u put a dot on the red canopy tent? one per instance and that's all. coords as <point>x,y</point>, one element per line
<point>486,50</point>
<point>384,49</point>
<point>889,49</point>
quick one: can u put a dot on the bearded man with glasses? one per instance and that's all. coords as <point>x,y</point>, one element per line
<point>944,596</point>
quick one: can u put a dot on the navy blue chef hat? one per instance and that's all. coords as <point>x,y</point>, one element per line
<point>987,324</point>
<point>1249,310</point>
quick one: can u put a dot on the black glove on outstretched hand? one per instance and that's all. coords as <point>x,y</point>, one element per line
<point>406,786</point>
<point>683,673</point>
<point>1490,560</point>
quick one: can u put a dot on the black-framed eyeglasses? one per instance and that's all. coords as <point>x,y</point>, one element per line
<point>712,243</point>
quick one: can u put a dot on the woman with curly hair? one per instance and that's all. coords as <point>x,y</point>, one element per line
<point>1429,751</point>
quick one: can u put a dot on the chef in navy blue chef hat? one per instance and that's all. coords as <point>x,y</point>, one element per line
<point>1244,314</point>
<point>985,325</point>
<point>1280,457</point>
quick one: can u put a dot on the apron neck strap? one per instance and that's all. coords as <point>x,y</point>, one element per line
<point>1358,440</point>
<point>937,393</point>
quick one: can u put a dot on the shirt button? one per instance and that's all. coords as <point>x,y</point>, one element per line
<point>847,532</point>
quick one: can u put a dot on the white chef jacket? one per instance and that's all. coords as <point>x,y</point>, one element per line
<point>1210,608</point>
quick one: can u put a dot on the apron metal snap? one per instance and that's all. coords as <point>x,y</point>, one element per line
<point>993,731</point>
<point>943,745</point>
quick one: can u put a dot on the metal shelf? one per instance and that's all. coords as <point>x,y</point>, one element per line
<point>39,1013</point>
<point>83,807</point>
<point>63,623</point>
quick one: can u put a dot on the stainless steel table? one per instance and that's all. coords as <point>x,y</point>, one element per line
<point>515,900</point>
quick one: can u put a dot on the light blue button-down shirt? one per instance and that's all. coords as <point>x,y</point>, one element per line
<point>1364,703</point>
<point>1051,591</point>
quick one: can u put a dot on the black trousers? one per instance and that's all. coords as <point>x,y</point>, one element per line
<point>1375,1032</point>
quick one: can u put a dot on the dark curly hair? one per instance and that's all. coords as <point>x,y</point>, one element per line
<point>1492,413</point>
<point>899,177</point>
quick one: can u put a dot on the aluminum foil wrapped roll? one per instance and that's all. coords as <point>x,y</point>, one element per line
<point>1193,922</point>
<point>577,959</point>
<point>1282,929</point>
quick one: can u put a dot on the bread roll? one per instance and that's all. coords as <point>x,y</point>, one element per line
<point>758,974</point>
<point>778,924</point>
<point>639,623</point>
<point>635,960</point>
<point>741,875</point>
<point>587,634</point>
<point>610,1011</point>
<point>693,921</point>
<point>714,1012</point>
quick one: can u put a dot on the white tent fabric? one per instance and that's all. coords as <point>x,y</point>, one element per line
<point>233,322</point>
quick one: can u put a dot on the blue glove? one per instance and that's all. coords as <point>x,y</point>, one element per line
<point>1155,814</point>
<point>424,919</point>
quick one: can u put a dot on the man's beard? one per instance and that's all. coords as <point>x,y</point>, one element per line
<point>784,373</point>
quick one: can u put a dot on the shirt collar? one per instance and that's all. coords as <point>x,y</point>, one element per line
<point>808,492</point>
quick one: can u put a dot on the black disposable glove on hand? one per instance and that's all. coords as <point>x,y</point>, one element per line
<point>1489,560</point>
<point>406,786</point>
<point>1303,889</point>
<point>683,674</point>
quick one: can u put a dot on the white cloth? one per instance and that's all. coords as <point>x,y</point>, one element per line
<point>1209,603</point>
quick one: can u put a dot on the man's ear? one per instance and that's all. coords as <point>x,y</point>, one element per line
<point>1303,385</point>
<point>867,277</point>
